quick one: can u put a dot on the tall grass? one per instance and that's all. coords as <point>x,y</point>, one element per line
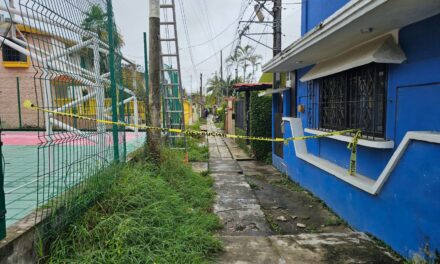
<point>149,215</point>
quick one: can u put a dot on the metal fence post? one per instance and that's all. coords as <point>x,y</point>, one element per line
<point>113,89</point>
<point>122,110</point>
<point>146,76</point>
<point>2,191</point>
<point>20,124</point>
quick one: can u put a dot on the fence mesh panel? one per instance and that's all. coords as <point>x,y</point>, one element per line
<point>67,45</point>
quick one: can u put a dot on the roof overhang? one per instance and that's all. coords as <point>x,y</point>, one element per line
<point>249,87</point>
<point>357,22</point>
<point>272,91</point>
<point>381,50</point>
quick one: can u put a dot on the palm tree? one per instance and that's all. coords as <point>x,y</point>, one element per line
<point>235,60</point>
<point>229,82</point>
<point>249,58</point>
<point>244,57</point>
<point>255,63</point>
<point>246,53</point>
<point>216,87</point>
<point>96,21</point>
<point>220,88</point>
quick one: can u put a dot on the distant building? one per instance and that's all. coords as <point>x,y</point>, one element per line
<point>17,73</point>
<point>375,66</point>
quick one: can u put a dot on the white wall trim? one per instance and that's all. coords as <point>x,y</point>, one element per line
<point>378,144</point>
<point>364,183</point>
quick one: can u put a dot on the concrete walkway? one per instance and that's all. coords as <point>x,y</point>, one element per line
<point>248,236</point>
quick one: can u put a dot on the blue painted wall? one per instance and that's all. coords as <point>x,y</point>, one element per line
<point>406,213</point>
<point>315,11</point>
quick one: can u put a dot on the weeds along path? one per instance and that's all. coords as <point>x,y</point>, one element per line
<point>149,216</point>
<point>268,219</point>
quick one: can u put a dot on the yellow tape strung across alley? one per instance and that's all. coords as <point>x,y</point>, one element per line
<point>352,145</point>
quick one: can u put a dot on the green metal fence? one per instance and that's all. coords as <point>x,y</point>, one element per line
<point>77,68</point>
<point>2,191</point>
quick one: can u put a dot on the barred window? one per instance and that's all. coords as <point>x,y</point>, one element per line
<point>354,99</point>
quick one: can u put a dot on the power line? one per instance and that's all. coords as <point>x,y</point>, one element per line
<point>214,54</point>
<point>182,11</point>
<point>218,35</point>
<point>242,12</point>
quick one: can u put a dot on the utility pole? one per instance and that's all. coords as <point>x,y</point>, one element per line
<point>153,136</point>
<point>221,73</point>
<point>201,95</point>
<point>147,93</point>
<point>221,65</point>
<point>277,9</point>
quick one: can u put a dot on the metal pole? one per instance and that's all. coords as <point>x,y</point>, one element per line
<point>2,191</point>
<point>122,109</point>
<point>236,74</point>
<point>154,136</point>
<point>100,98</point>
<point>20,124</point>
<point>111,56</point>
<point>135,106</point>
<point>277,9</point>
<point>201,95</point>
<point>221,73</point>
<point>147,82</point>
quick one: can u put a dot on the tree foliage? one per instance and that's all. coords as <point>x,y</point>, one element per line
<point>261,125</point>
<point>245,57</point>
<point>96,21</point>
<point>218,88</point>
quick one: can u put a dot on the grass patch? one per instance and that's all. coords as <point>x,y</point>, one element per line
<point>196,126</point>
<point>334,221</point>
<point>220,125</point>
<point>242,142</point>
<point>149,215</point>
<point>198,150</point>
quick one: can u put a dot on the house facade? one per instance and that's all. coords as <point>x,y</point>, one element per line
<point>372,65</point>
<point>18,81</point>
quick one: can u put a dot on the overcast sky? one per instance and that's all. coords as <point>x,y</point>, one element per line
<point>211,27</point>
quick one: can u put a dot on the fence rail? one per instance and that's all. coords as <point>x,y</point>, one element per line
<point>71,63</point>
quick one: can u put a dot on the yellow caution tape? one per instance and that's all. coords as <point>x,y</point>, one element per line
<point>352,146</point>
<point>353,157</point>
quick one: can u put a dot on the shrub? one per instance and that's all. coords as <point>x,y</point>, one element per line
<point>261,125</point>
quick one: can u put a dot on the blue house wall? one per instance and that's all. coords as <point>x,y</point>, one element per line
<point>406,213</point>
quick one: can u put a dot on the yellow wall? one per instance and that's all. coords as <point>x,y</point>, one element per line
<point>88,108</point>
<point>188,112</point>
<point>268,78</point>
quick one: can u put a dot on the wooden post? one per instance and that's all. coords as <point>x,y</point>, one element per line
<point>153,136</point>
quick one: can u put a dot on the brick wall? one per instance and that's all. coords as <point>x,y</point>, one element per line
<point>9,99</point>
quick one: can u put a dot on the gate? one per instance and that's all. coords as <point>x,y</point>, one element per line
<point>240,115</point>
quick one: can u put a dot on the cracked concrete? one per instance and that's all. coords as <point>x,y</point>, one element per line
<point>249,237</point>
